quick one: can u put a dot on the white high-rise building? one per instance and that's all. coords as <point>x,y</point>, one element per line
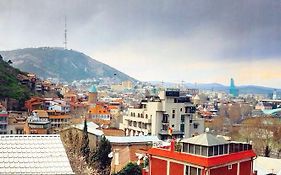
<point>158,115</point>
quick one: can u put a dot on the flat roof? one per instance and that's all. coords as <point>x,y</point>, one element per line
<point>132,139</point>
<point>33,154</point>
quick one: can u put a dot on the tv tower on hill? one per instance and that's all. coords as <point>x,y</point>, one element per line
<point>65,34</point>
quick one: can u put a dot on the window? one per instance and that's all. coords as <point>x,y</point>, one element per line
<point>216,150</point>
<point>173,111</point>
<point>181,109</point>
<point>173,115</point>
<point>173,126</point>
<point>220,149</point>
<point>182,127</point>
<point>204,150</point>
<point>225,151</point>
<point>197,149</point>
<point>210,151</point>
<point>185,147</point>
<point>191,148</point>
<point>182,118</point>
<point>229,167</point>
<point>195,125</point>
<point>192,170</point>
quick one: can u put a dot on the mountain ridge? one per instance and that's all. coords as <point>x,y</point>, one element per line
<point>65,65</point>
<point>243,89</point>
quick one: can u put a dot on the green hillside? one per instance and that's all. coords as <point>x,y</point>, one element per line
<point>10,87</point>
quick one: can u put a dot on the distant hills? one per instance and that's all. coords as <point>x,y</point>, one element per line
<point>65,65</point>
<point>246,89</point>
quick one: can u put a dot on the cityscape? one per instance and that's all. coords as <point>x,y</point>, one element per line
<point>140,87</point>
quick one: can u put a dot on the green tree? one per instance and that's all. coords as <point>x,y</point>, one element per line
<point>85,149</point>
<point>100,158</point>
<point>130,169</point>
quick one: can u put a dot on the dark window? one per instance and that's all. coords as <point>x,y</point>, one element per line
<point>173,115</point>
<point>216,151</point>
<point>210,151</point>
<point>182,127</point>
<point>186,170</point>
<point>191,148</point>
<point>174,111</point>
<point>204,150</point>
<point>231,148</point>
<point>195,125</point>
<point>220,149</point>
<point>197,149</point>
<point>181,109</point>
<point>185,147</point>
<point>225,149</point>
<point>173,126</point>
<point>193,171</point>
<point>182,118</point>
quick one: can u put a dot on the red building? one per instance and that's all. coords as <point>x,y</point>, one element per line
<point>204,154</point>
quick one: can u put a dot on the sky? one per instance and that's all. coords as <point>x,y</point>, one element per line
<point>200,41</point>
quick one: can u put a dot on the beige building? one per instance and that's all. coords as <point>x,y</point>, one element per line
<point>158,115</point>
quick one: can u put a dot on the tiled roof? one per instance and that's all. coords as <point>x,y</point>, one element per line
<point>33,154</point>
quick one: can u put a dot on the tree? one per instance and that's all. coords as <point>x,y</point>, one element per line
<point>100,159</point>
<point>85,149</point>
<point>267,151</point>
<point>130,169</point>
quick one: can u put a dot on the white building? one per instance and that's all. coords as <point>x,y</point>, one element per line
<point>159,114</point>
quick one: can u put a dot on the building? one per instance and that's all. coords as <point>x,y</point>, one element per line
<point>99,111</point>
<point>204,154</point>
<point>37,125</point>
<point>125,149</point>
<point>156,115</point>
<point>93,95</point>
<point>267,166</point>
<point>233,91</point>
<point>3,120</point>
<point>33,154</point>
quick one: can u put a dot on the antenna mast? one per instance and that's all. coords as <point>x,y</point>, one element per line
<point>65,34</point>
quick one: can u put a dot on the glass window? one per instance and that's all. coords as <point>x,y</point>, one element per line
<point>182,118</point>
<point>193,171</point>
<point>199,171</point>
<point>225,149</point>
<point>185,147</point>
<point>210,151</point>
<point>204,150</point>
<point>220,149</point>
<point>231,148</point>
<point>197,149</point>
<point>182,127</point>
<point>186,170</point>
<point>216,150</point>
<point>191,148</point>
<point>173,115</point>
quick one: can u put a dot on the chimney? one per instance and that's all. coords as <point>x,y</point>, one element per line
<point>172,148</point>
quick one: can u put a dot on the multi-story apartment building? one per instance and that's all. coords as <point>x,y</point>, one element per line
<point>157,115</point>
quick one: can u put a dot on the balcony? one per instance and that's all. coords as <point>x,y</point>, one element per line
<point>137,119</point>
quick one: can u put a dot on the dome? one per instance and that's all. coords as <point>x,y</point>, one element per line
<point>93,89</point>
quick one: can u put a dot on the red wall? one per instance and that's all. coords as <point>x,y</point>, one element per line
<point>176,169</point>
<point>158,167</point>
<point>225,171</point>
<point>245,168</point>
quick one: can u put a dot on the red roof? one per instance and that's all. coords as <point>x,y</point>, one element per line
<point>202,161</point>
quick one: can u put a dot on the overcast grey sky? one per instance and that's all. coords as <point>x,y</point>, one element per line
<point>170,40</point>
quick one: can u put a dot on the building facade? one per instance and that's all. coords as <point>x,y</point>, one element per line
<point>157,115</point>
<point>3,122</point>
<point>204,154</point>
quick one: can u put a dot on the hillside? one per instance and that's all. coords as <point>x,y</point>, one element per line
<point>66,65</point>
<point>9,84</point>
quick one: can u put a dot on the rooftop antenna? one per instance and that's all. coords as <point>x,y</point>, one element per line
<point>65,33</point>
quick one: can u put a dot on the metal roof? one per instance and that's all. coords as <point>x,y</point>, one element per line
<point>205,139</point>
<point>92,128</point>
<point>132,139</point>
<point>266,165</point>
<point>33,154</point>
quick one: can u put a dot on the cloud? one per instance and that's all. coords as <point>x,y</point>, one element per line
<point>179,39</point>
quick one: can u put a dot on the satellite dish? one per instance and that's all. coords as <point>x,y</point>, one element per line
<point>110,155</point>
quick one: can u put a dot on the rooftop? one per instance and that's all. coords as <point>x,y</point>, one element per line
<point>132,139</point>
<point>205,139</point>
<point>33,154</point>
